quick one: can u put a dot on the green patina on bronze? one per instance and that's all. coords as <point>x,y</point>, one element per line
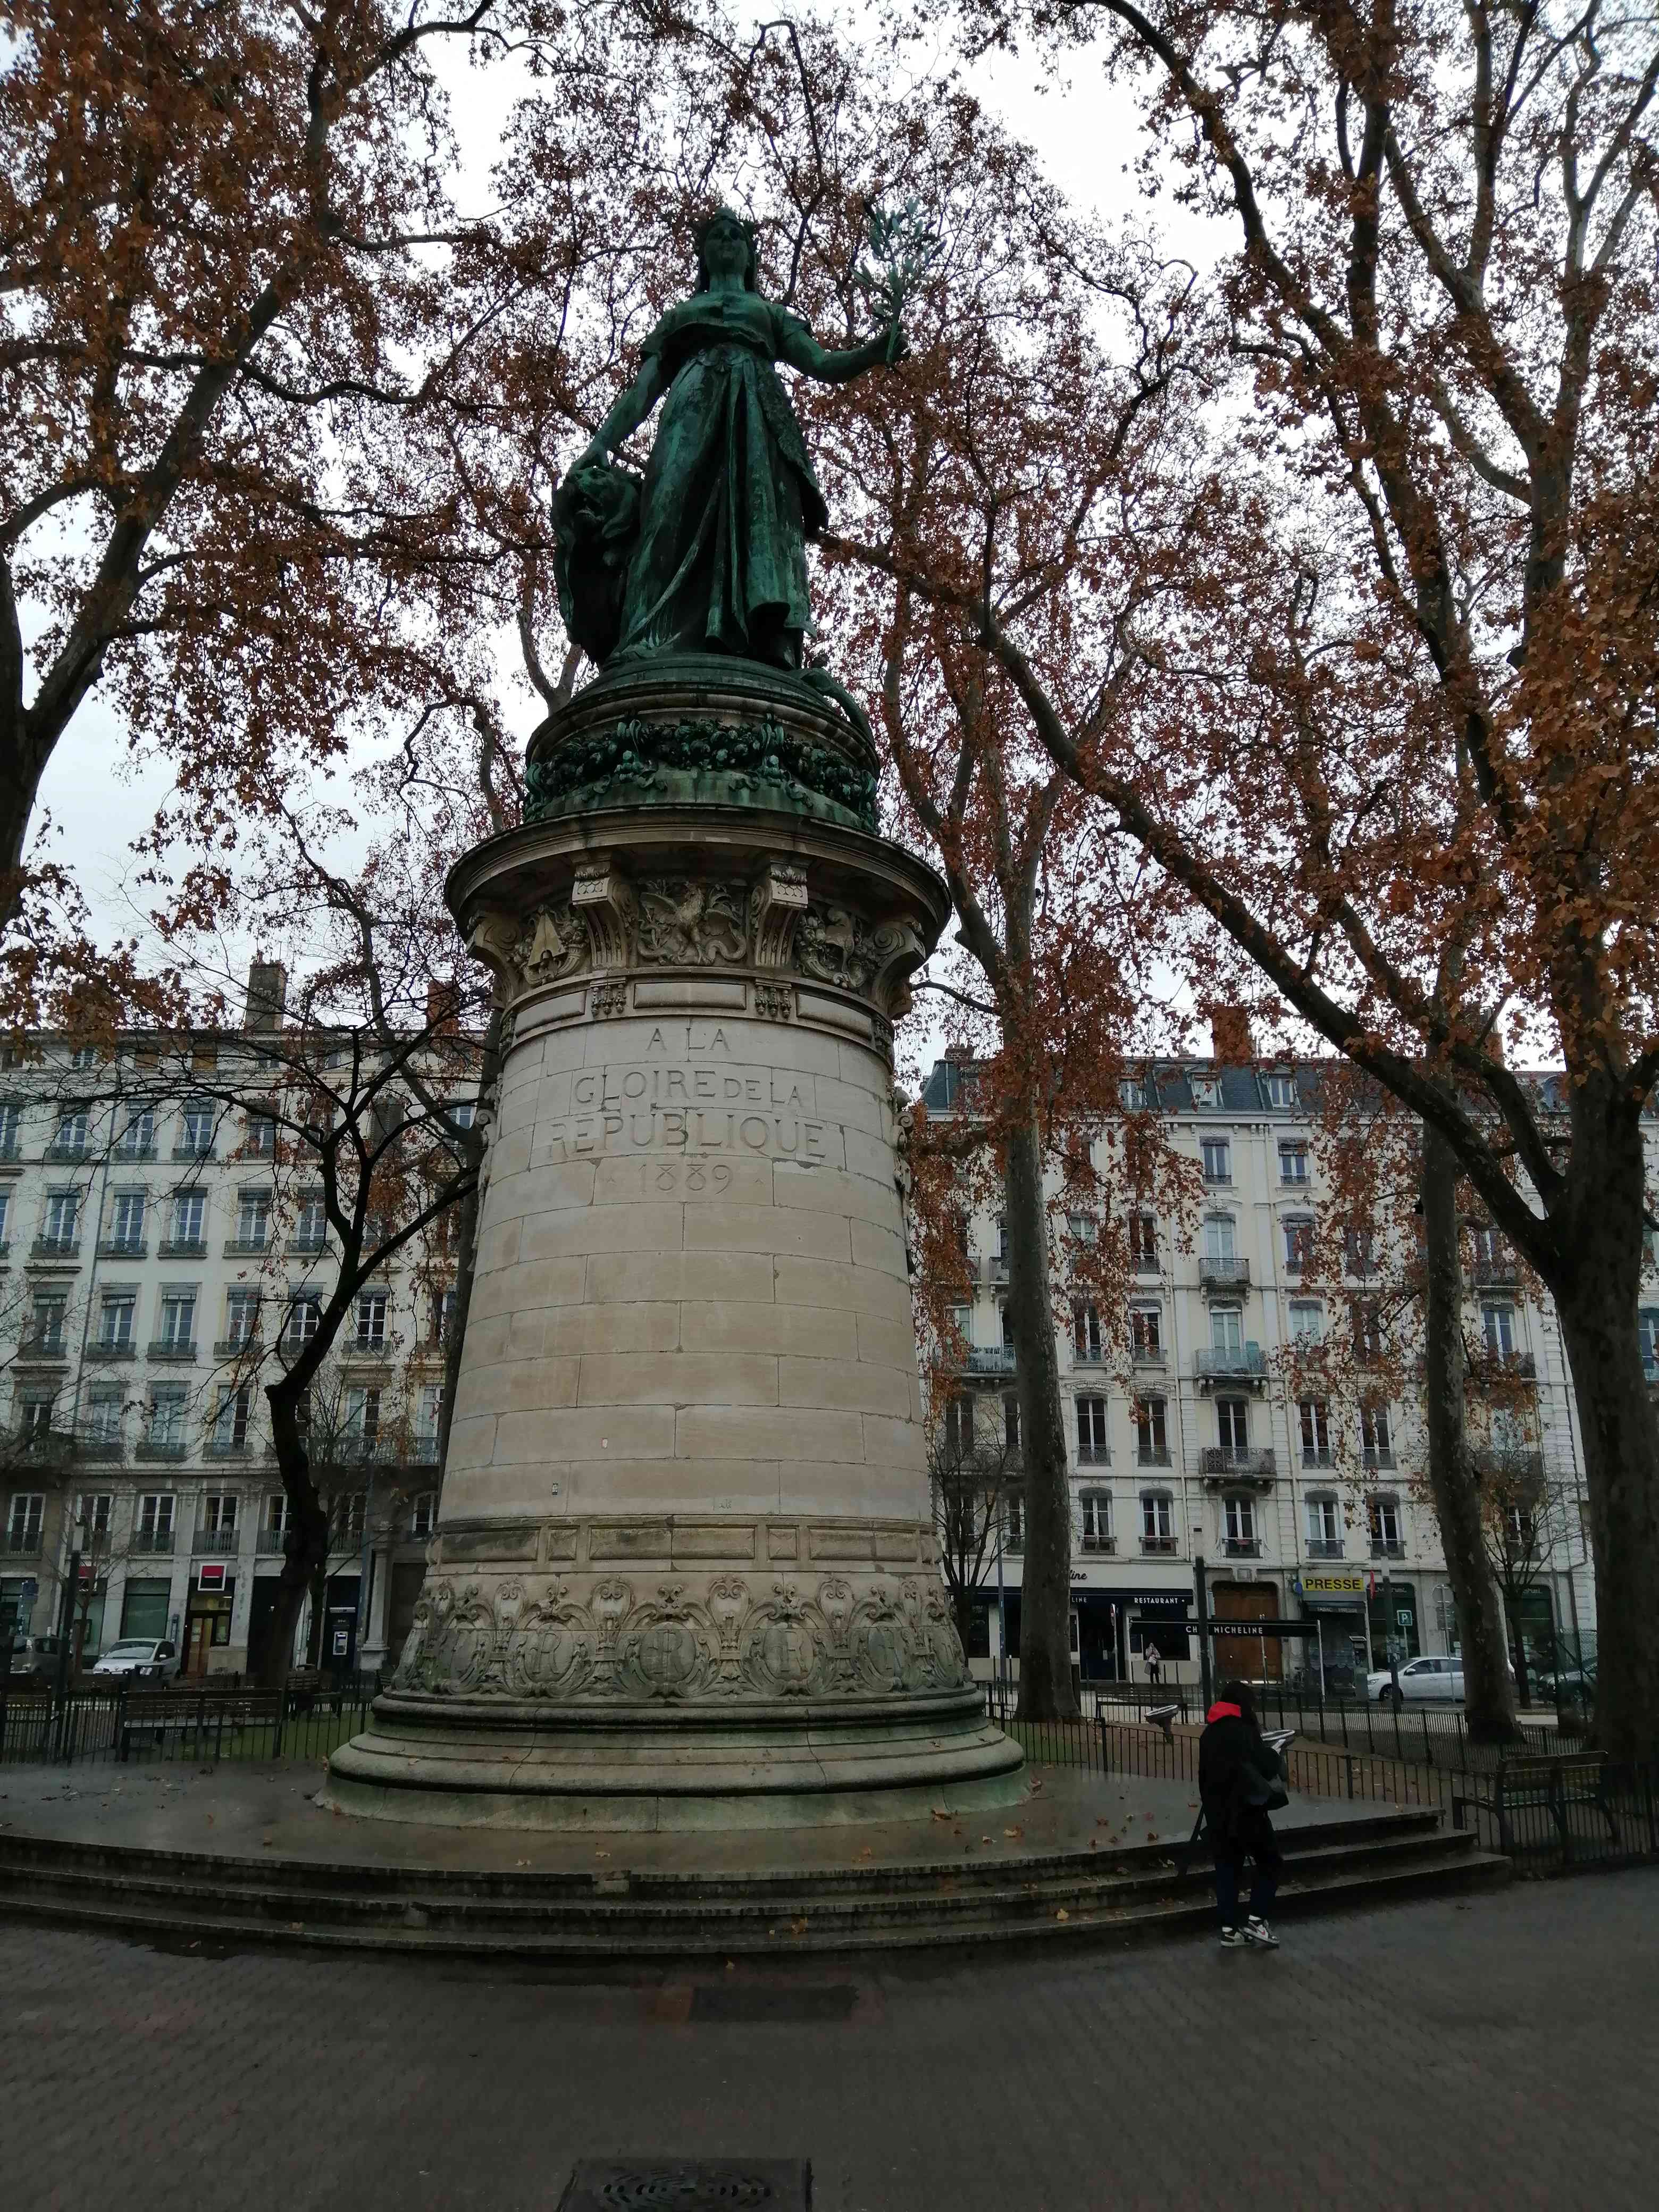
<point>708,552</point>
<point>753,764</point>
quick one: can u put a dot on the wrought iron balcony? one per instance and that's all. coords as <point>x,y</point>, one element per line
<point>220,1542</point>
<point>1152,1455</point>
<point>21,1543</point>
<point>1239,1463</point>
<point>1318,1455</point>
<point>156,1541</point>
<point>56,1248</point>
<point>1376,1455</point>
<point>1499,1274</point>
<point>271,1539</point>
<point>1216,1273</point>
<point>232,1347</point>
<point>1148,1355</point>
<point>1162,1545</point>
<point>182,1248</point>
<point>171,1347</point>
<point>1245,1362</point>
<point>1098,1543</point>
<point>246,1248</point>
<point>164,1448</point>
<point>123,1248</point>
<point>1388,1547</point>
<point>1242,1548</point>
<point>989,1360</point>
<point>1324,1547</point>
<point>1087,1455</point>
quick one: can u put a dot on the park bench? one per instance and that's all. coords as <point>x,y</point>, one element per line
<point>1551,1785</point>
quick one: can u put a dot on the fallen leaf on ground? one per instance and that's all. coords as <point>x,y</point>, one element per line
<point>1013,1831</point>
<point>1062,1914</point>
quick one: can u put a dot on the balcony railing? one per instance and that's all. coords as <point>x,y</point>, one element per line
<point>189,1151</point>
<point>1376,1455</point>
<point>1514,1467</point>
<point>182,1248</point>
<point>1388,1547</point>
<point>1087,1455</point>
<point>1242,1548</point>
<point>1318,1455</point>
<point>271,1539</point>
<point>132,1155</point>
<point>232,1347</point>
<point>1239,1463</point>
<point>1147,1355</point>
<point>163,1447</point>
<point>375,1348</point>
<point>64,1155</point>
<point>1099,1543</point>
<point>1500,1273</point>
<point>171,1347</point>
<point>21,1543</point>
<point>96,1447</point>
<point>1324,1547</point>
<point>1151,1455</point>
<point>227,1447</point>
<point>123,1248</point>
<point>47,1347</point>
<point>220,1542</point>
<point>307,1247</point>
<point>1162,1545</point>
<point>56,1248</point>
<point>1246,1363</point>
<point>156,1541</point>
<point>245,1248</point>
<point>1216,1273</point>
<point>982,1359</point>
<point>1520,1365</point>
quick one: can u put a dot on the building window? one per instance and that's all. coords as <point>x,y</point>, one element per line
<point>1367,1333</point>
<point>1011,1424</point>
<point>1238,1523</point>
<point>5,1217</point>
<point>219,1512</point>
<point>424,1513</point>
<point>189,1217</point>
<point>1648,1321</point>
<point>178,1320</point>
<point>429,1417</point>
<point>1376,1444</point>
<point>1498,1327</point>
<point>362,1420</point>
<point>127,1221</point>
<point>25,1520</point>
<point>305,1315</point>
<point>241,1318</point>
<point>443,1316</point>
<point>1232,1417</point>
<point>1206,1090</point>
<point>1292,1161</point>
<point>1151,1432</point>
<point>1132,1094</point>
<point>1013,1510</point>
<point>34,1416</point>
<point>1093,1449</point>
<point>10,1121</point>
<point>1082,1229</point>
<point>230,1422</point>
<point>1324,1525</point>
<point>1157,1521</point>
<point>252,1219</point>
<point>167,1419</point>
<point>1143,1242</point>
<point>1297,1230</point>
<point>156,1516</point>
<point>48,1313</point>
<point>93,1512</point>
<point>261,1136</point>
<point>1218,1237</point>
<point>1227,1329</point>
<point>371,1319</point>
<point>62,1223</point>
<point>311,1223</point>
<point>1358,1251</point>
<point>1086,1332</point>
<point>1281,1090</point>
<point>1146,1332</point>
<point>276,1520</point>
<point>1383,1515</point>
<point>1307,1321</point>
<point>69,1135</point>
<point>959,1426</point>
<point>348,1516</point>
<point>117,1316</point>
<point>105,1407</point>
<point>1217,1157</point>
<point>1315,1416</point>
<point>137,1138</point>
<point>1097,1507</point>
<point>197,1140</point>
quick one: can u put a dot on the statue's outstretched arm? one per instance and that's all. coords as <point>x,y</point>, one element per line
<point>630,410</point>
<point>802,351</point>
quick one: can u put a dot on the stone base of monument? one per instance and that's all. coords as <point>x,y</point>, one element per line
<point>684,1571</point>
<point>478,1765</point>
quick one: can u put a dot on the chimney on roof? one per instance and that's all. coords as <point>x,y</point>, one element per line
<point>267,997</point>
<point>443,1003</point>
<point>1231,1037</point>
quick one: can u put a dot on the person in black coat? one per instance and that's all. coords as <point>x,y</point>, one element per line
<point>1240,1780</point>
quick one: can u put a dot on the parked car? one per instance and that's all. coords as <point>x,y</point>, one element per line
<point>140,1660</point>
<point>34,1661</point>
<point>1420,1680</point>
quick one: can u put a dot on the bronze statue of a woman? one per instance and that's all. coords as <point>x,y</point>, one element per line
<point>708,554</point>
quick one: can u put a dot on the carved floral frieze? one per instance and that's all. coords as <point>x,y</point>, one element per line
<point>717,1638</point>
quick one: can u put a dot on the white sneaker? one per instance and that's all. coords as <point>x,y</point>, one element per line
<point>1232,1939</point>
<point>1258,1932</point>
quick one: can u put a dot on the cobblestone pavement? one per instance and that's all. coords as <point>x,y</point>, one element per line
<point>1502,2051</point>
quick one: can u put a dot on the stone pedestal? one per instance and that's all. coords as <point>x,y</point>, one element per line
<point>684,1571</point>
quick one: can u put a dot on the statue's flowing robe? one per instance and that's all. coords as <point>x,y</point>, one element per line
<point>729,498</point>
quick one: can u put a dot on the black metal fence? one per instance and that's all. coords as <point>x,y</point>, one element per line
<point>304,1722</point>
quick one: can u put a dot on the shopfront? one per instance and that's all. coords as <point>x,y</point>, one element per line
<point>1337,1599</point>
<point>207,1618</point>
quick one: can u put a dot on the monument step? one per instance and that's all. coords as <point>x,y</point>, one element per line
<point>1002,1902</point>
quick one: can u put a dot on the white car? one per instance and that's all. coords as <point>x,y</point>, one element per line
<point>144,1661</point>
<point>1419,1678</point>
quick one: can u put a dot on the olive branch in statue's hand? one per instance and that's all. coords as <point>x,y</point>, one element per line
<point>902,247</point>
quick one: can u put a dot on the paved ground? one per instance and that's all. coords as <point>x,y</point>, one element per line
<point>1501,2052</point>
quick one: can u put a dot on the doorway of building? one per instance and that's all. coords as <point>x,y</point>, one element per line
<point>1246,1658</point>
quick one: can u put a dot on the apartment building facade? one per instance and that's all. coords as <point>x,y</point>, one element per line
<point>153,1266</point>
<point>1191,1439</point>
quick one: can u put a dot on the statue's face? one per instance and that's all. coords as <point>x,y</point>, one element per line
<point>726,250</point>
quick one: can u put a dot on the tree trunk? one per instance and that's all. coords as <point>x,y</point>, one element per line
<point>1488,1695</point>
<point>1045,1609</point>
<point>1596,1304</point>
<point>305,1547</point>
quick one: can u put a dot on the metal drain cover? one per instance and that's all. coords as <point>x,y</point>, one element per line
<point>681,2185</point>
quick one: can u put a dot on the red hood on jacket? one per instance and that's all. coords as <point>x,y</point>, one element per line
<point>1221,1710</point>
